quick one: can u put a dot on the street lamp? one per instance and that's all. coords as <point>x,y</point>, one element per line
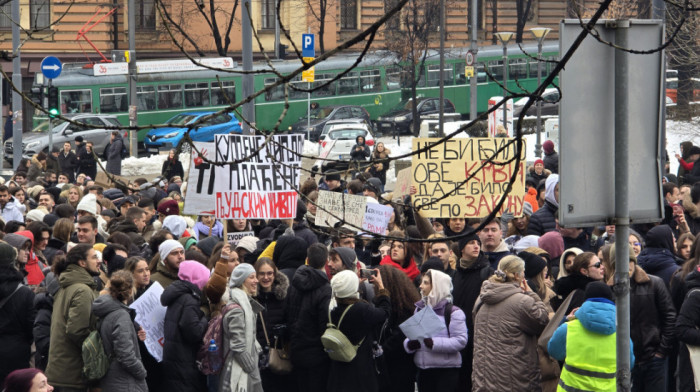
<point>505,37</point>
<point>540,33</point>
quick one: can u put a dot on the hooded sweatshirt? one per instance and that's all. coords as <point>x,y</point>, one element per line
<point>33,266</point>
<point>658,257</point>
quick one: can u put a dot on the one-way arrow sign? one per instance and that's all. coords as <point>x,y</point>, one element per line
<point>51,67</point>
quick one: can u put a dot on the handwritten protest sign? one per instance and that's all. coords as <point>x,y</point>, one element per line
<point>377,218</point>
<point>422,325</point>
<point>349,208</point>
<point>200,190</point>
<point>234,237</point>
<point>441,170</point>
<point>150,314</point>
<point>261,186</point>
<point>403,184</point>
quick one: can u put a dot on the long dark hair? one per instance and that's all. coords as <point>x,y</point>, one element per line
<point>692,263</point>
<point>402,292</point>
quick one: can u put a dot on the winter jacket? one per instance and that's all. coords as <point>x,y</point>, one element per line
<point>687,331</point>
<point>53,246</point>
<point>126,371</point>
<point>500,252</point>
<point>164,276</point>
<point>306,312</point>
<point>302,230</point>
<point>289,254</point>
<point>531,197</point>
<point>273,307</point>
<point>551,162</point>
<point>71,322</point>
<point>218,281</point>
<point>172,168</point>
<point>538,177</point>
<point>595,315</point>
<point>52,165</point>
<point>652,316</point>
<point>362,154</point>
<point>185,325</point>
<point>507,322</point>
<point>565,285</point>
<point>86,163</point>
<point>68,163</point>
<point>446,346</point>
<point>543,220</point>
<point>658,258</point>
<point>113,154</point>
<point>11,211</point>
<point>16,321</point>
<point>35,171</point>
<point>43,303</point>
<point>359,325</point>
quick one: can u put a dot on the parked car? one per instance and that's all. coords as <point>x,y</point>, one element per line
<point>321,115</point>
<point>400,118</point>
<point>672,89</point>
<point>550,104</point>
<point>339,143</point>
<point>350,122</point>
<point>95,130</point>
<point>167,138</point>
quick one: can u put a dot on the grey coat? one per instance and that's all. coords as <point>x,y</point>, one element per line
<point>126,371</point>
<point>113,154</point>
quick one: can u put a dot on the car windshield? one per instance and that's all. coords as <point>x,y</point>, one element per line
<point>43,127</point>
<point>320,113</point>
<point>182,119</point>
<point>346,134</point>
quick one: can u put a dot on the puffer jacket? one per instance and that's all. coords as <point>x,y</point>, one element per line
<point>126,371</point>
<point>657,257</point>
<point>446,346</point>
<point>16,320</point>
<point>507,322</point>
<point>687,331</point>
<point>306,312</point>
<point>544,220</point>
<point>70,325</point>
<point>652,316</point>
<point>185,325</point>
<point>273,303</point>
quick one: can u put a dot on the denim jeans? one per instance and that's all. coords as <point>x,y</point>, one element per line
<point>650,376</point>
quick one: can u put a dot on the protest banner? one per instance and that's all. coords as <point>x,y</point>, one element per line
<point>403,184</point>
<point>150,314</point>
<point>257,179</point>
<point>234,237</point>
<point>377,217</point>
<point>349,208</point>
<point>103,180</point>
<point>200,189</point>
<point>442,169</point>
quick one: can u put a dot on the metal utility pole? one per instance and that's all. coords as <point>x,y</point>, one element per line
<point>658,11</point>
<point>474,49</point>
<point>247,79</point>
<point>441,115</point>
<point>133,107</point>
<point>17,81</point>
<point>277,32</point>
<point>540,33</point>
<point>622,214</point>
<point>2,124</point>
<point>505,37</point>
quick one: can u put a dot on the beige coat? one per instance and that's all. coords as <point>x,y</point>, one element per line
<point>507,322</point>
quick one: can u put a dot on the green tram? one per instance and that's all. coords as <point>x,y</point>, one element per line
<point>375,84</point>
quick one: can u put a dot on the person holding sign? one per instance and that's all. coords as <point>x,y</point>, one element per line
<point>438,357</point>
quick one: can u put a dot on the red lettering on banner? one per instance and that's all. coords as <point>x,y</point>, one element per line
<point>256,205</point>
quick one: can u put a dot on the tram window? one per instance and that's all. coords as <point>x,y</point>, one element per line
<point>275,94</point>
<point>533,68</point>
<point>495,68</point>
<point>196,95</point>
<point>113,100</point>
<point>481,76</point>
<point>459,72</point>
<point>517,69</point>
<point>319,80</point>
<point>146,97</point>
<point>223,93</point>
<point>169,96</point>
<point>294,93</point>
<point>349,84</point>
<point>434,75</point>
<point>371,80</point>
<point>393,78</point>
<point>76,101</point>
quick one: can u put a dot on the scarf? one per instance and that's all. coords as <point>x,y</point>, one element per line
<point>411,270</point>
<point>239,378</point>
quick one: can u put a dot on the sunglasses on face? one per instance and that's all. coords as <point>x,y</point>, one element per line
<point>596,265</point>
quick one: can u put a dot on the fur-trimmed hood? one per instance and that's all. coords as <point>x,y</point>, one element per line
<point>279,286</point>
<point>383,155</point>
<point>545,173</point>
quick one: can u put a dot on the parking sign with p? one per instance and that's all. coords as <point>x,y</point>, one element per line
<point>308,46</point>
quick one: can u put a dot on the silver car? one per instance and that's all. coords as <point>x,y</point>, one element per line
<point>64,131</point>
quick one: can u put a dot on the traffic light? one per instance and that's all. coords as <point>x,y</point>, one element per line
<point>38,95</point>
<point>53,102</point>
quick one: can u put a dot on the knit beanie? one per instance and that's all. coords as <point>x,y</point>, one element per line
<point>539,161</point>
<point>187,242</point>
<point>533,264</point>
<point>36,215</point>
<point>166,247</point>
<point>88,204</point>
<point>529,241</point>
<point>434,263</point>
<point>343,285</point>
<point>248,243</point>
<point>240,274</point>
<point>193,272</point>
<point>348,257</point>
<point>333,177</point>
<point>169,207</point>
<point>527,209</point>
<point>8,253</point>
<point>553,243</point>
<point>599,290</point>
<point>548,147</point>
<point>175,224</point>
<point>471,236</point>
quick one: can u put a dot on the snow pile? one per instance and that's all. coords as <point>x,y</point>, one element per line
<point>678,132</point>
<point>148,166</point>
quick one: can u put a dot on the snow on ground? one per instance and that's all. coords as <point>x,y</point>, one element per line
<point>677,132</point>
<point>149,166</point>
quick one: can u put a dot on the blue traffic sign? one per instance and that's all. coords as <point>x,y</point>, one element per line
<point>308,47</point>
<point>51,67</point>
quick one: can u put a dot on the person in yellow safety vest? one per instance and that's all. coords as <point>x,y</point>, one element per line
<point>586,344</point>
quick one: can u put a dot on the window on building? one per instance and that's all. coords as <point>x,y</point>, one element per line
<point>6,16</point>
<point>348,15</point>
<point>40,15</point>
<point>146,15</point>
<point>268,14</point>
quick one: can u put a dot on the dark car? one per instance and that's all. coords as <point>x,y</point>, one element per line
<point>400,118</point>
<point>550,104</point>
<point>321,115</point>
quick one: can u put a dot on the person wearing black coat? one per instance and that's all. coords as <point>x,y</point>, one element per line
<point>551,157</point>
<point>544,219</point>
<point>289,254</point>
<point>272,290</point>
<point>658,256</point>
<point>86,161</point>
<point>360,151</point>
<point>688,331</point>
<point>471,271</point>
<point>185,325</point>
<point>306,312</point>
<point>359,325</point>
<point>172,167</point>
<point>16,315</point>
<point>68,162</point>
<point>43,303</point>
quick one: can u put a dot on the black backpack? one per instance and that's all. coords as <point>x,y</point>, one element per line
<point>125,151</point>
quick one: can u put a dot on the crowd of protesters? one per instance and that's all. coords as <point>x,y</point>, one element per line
<point>526,305</point>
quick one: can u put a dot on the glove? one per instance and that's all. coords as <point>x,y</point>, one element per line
<point>428,343</point>
<point>413,345</point>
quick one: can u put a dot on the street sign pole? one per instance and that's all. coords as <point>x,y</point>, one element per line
<point>51,127</point>
<point>51,67</point>
<point>308,53</point>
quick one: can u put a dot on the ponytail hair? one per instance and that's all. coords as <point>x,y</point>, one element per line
<point>508,268</point>
<point>121,285</point>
